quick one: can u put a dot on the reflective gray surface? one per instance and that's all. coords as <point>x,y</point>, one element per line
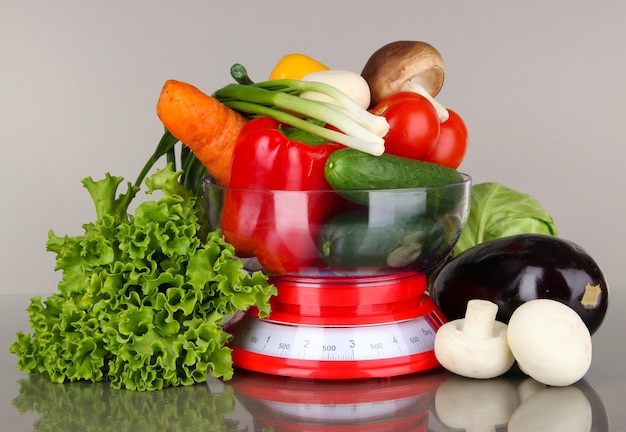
<point>432,401</point>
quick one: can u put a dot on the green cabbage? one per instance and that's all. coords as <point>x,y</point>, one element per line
<point>142,297</point>
<point>498,211</point>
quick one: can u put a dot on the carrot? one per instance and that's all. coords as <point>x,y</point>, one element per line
<point>202,123</point>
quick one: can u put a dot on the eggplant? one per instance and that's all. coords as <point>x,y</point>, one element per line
<point>510,271</point>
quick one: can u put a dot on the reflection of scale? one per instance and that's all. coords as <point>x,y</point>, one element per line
<point>286,404</point>
<point>340,328</point>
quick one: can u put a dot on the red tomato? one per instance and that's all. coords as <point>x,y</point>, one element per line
<point>450,148</point>
<point>413,124</point>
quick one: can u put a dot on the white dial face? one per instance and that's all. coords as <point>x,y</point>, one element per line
<point>365,342</point>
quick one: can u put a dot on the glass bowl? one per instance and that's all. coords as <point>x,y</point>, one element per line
<point>339,232</point>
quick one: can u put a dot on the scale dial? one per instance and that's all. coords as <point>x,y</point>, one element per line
<point>306,351</point>
<point>354,343</point>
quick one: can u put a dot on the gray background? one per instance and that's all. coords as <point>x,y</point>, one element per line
<point>540,85</point>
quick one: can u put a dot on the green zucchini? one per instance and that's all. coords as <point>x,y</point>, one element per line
<point>351,239</point>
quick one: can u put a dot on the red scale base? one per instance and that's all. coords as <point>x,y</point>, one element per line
<point>323,321</point>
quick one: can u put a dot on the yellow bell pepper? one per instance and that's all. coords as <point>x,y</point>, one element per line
<point>296,66</point>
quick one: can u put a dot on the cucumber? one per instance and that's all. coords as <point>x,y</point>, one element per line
<point>351,239</point>
<point>350,169</point>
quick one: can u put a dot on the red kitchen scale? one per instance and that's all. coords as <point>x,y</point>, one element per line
<point>366,316</point>
<point>340,327</point>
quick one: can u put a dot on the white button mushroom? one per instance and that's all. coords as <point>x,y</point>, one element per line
<point>475,346</point>
<point>406,66</point>
<point>550,342</point>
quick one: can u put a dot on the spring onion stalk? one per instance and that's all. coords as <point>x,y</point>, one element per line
<point>380,129</point>
<point>325,112</point>
<point>360,129</point>
<point>331,114</point>
<point>377,124</point>
<point>286,89</point>
<point>373,148</point>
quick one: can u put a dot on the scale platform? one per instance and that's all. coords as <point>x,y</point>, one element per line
<point>340,328</point>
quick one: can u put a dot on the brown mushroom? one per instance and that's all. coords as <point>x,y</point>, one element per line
<point>406,66</point>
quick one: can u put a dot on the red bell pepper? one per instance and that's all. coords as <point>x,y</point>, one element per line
<point>265,214</point>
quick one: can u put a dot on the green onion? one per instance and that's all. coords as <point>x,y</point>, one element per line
<point>359,128</point>
<point>375,148</point>
<point>375,123</point>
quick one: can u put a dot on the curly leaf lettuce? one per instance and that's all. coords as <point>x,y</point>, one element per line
<point>142,298</point>
<point>498,211</point>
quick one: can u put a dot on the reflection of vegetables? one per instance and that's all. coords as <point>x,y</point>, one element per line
<point>296,66</point>
<point>555,409</point>
<point>201,122</point>
<point>466,404</point>
<point>253,219</point>
<point>98,408</point>
<point>498,211</point>
<point>413,124</point>
<point>142,296</point>
<point>513,270</point>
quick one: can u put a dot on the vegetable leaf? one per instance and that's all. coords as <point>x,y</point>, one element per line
<point>498,211</point>
<point>142,298</point>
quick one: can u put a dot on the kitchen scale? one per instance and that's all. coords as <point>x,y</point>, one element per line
<point>368,316</point>
<point>340,327</point>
